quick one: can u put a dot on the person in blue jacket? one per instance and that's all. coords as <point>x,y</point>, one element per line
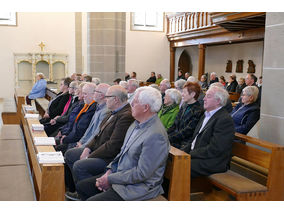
<point>247,113</point>
<point>38,90</point>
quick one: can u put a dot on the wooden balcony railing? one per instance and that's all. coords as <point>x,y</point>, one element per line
<point>184,22</point>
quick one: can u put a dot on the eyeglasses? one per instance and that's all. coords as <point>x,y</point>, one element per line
<point>98,91</point>
<point>109,96</point>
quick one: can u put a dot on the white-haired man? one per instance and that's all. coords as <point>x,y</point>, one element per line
<point>132,85</point>
<point>211,144</point>
<point>137,171</point>
<point>101,111</point>
<point>213,78</point>
<point>105,145</point>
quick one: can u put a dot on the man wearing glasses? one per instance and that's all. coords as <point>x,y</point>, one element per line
<point>137,171</point>
<point>101,111</point>
<point>101,150</point>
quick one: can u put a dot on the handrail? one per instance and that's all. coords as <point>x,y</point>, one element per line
<point>184,22</point>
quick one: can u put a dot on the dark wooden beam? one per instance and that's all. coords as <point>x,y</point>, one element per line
<point>172,63</point>
<point>222,37</point>
<point>201,60</point>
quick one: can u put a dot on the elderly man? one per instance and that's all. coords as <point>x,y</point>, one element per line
<point>101,150</point>
<point>132,85</point>
<point>53,126</point>
<point>82,120</point>
<point>213,78</point>
<point>101,111</point>
<point>137,171</point>
<point>164,85</point>
<point>251,80</point>
<point>211,144</point>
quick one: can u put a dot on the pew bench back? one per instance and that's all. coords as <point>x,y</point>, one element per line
<point>259,156</point>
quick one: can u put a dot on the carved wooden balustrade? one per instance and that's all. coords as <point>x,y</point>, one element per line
<point>184,22</point>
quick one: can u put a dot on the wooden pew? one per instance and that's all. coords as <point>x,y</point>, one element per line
<point>15,181</point>
<point>12,107</point>
<point>41,105</point>
<point>257,171</point>
<point>50,94</point>
<point>176,177</point>
<point>48,178</point>
<point>9,114</point>
<point>234,96</point>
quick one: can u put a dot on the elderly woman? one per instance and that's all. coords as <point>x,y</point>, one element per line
<point>179,86</point>
<point>170,109</point>
<point>246,115</point>
<point>232,85</point>
<point>241,85</point>
<point>38,90</point>
<point>189,114</point>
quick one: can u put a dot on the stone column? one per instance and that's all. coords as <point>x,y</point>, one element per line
<point>106,45</point>
<point>78,44</point>
<point>272,104</point>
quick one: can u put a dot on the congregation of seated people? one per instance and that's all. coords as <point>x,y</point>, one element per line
<point>116,139</point>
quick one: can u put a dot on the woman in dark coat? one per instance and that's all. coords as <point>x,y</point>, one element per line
<point>247,113</point>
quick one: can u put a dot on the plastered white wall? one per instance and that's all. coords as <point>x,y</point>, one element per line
<point>216,58</point>
<point>55,30</point>
<point>146,52</point>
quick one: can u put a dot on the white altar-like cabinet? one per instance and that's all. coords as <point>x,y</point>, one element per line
<point>53,65</point>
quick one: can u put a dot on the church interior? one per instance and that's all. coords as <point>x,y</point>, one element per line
<point>106,45</point>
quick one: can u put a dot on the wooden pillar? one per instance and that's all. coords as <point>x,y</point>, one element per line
<point>201,60</point>
<point>172,64</point>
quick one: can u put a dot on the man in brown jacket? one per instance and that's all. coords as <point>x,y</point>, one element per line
<point>93,159</point>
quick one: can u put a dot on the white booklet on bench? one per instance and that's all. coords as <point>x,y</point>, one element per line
<point>44,141</point>
<point>37,127</point>
<point>32,116</point>
<point>50,157</point>
<point>29,108</point>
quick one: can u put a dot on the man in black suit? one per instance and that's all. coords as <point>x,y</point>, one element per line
<point>211,144</point>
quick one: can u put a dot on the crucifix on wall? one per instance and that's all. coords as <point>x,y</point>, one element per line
<point>42,45</point>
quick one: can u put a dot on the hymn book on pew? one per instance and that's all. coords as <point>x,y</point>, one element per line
<point>32,116</point>
<point>50,157</point>
<point>37,127</point>
<point>44,141</point>
<point>29,108</point>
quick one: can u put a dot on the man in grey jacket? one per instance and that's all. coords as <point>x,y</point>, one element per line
<point>137,171</point>
<point>101,111</point>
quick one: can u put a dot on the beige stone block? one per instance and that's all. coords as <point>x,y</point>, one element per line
<point>272,92</point>
<point>102,24</point>
<point>110,50</point>
<point>274,18</point>
<point>95,15</point>
<point>109,37</point>
<point>96,50</point>
<point>271,129</point>
<point>273,47</point>
<point>110,63</point>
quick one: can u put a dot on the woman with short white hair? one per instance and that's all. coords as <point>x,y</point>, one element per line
<point>170,107</point>
<point>246,115</point>
<point>38,90</point>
